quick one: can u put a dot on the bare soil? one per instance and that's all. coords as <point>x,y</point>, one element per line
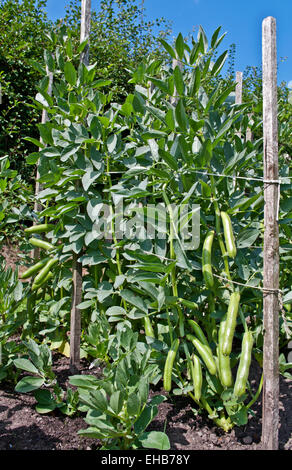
<point>12,258</point>
<point>22,428</point>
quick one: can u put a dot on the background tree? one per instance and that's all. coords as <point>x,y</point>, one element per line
<point>23,27</point>
<point>119,38</point>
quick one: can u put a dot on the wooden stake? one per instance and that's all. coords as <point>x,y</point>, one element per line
<point>85,28</point>
<point>271,239</point>
<point>38,187</point>
<point>238,100</point>
<point>75,322</point>
<point>174,99</point>
<point>238,88</point>
<point>249,136</point>
<point>238,94</point>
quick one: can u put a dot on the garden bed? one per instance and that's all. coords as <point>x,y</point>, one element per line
<point>22,428</point>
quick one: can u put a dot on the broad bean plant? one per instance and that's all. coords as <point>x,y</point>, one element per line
<point>177,141</point>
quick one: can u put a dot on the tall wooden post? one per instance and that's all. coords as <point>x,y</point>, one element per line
<point>85,28</point>
<point>238,100</point>
<point>75,321</point>
<point>238,88</point>
<point>249,136</point>
<point>174,99</point>
<point>37,205</point>
<point>271,239</point>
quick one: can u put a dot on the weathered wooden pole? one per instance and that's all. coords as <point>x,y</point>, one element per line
<point>174,99</point>
<point>248,135</point>
<point>75,321</point>
<point>38,187</point>
<point>85,28</point>
<point>37,205</point>
<point>238,88</point>
<point>238,100</point>
<point>270,423</point>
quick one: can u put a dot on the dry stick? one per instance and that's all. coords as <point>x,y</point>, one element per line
<point>38,187</point>
<point>270,422</point>
<point>75,321</point>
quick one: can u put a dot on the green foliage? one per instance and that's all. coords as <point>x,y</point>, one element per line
<point>41,379</point>
<point>170,147</point>
<point>16,203</point>
<point>11,294</point>
<point>118,408</point>
<point>12,318</point>
<point>118,39</point>
<point>23,26</point>
<point>177,138</point>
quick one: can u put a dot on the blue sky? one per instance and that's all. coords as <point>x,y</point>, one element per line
<point>242,20</point>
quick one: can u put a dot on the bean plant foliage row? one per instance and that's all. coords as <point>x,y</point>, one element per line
<point>151,309</point>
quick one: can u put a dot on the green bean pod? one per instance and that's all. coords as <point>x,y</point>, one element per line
<point>225,371</point>
<point>188,303</point>
<point>45,270</point>
<point>244,364</point>
<point>148,327</point>
<point>169,365</point>
<point>224,368</point>
<point>42,228</point>
<point>34,269</point>
<point>206,259</point>
<point>37,286</point>
<point>228,235</point>
<point>197,377</point>
<point>198,332</point>
<point>205,353</point>
<point>41,243</point>
<point>230,324</point>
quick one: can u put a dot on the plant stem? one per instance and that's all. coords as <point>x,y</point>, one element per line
<point>222,422</point>
<point>169,326</point>
<point>212,331</point>
<point>257,394</point>
<point>173,256</point>
<point>120,272</point>
<point>95,276</point>
<point>243,321</point>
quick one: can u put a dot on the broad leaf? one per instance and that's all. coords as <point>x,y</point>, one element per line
<point>155,440</point>
<point>26,365</point>
<point>28,384</point>
<point>70,73</point>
